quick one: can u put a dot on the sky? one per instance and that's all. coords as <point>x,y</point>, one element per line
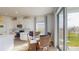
<point>73,19</point>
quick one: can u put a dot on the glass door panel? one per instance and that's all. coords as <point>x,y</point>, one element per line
<point>61,32</point>
<point>73,28</point>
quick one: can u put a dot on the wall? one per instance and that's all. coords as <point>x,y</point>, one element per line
<point>7,24</point>
<point>51,23</point>
<point>29,24</point>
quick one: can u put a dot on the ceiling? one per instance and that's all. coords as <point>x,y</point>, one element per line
<point>72,9</point>
<point>25,11</point>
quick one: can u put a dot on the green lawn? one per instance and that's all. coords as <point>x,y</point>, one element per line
<point>73,39</point>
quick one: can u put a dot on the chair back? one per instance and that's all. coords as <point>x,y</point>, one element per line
<point>44,41</point>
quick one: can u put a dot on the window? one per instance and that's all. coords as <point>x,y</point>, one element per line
<point>40,25</point>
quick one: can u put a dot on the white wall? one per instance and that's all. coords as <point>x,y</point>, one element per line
<point>28,24</point>
<point>8,25</point>
<point>51,23</point>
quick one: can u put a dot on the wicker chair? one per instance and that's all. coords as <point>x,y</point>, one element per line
<point>44,42</point>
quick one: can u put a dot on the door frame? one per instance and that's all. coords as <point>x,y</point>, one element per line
<point>64,9</point>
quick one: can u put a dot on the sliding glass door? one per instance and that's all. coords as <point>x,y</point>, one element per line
<point>61,29</point>
<point>73,28</point>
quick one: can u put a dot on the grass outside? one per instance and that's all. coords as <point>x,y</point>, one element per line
<point>73,39</point>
